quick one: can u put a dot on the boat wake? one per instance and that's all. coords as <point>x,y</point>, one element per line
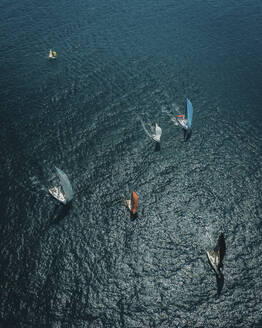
<point>171,115</point>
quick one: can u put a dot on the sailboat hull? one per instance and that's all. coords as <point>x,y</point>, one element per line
<point>183,123</point>
<point>57,194</point>
<point>156,138</point>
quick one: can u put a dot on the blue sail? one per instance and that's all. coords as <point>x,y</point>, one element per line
<point>189,113</point>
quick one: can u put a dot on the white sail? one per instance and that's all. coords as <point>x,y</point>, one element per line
<point>155,132</point>
<point>158,133</point>
<point>66,185</point>
<point>217,254</point>
<point>52,54</point>
<point>214,260</point>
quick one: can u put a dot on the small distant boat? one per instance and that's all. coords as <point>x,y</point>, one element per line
<point>216,255</point>
<point>132,203</point>
<point>64,192</point>
<point>185,120</point>
<point>155,131</point>
<point>52,54</point>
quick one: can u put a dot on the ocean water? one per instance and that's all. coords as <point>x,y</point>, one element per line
<point>90,264</point>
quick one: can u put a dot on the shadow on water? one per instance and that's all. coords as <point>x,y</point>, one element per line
<point>220,284</point>
<point>187,134</point>
<point>219,279</point>
<point>157,146</point>
<point>133,217</point>
<point>61,212</point>
<point>7,324</point>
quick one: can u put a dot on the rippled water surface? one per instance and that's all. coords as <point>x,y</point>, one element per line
<point>90,264</point>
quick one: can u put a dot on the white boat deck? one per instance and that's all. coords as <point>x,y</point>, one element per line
<point>57,193</point>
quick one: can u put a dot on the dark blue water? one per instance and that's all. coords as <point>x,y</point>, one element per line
<point>90,265</point>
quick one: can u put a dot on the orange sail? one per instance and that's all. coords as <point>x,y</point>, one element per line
<point>181,115</point>
<point>134,202</point>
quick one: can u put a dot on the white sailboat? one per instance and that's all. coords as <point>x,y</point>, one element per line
<point>158,132</point>
<point>52,54</point>
<point>64,192</point>
<point>216,255</point>
<point>155,131</point>
<point>214,259</point>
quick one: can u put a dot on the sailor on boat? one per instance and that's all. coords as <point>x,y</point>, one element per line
<point>52,54</point>
<point>132,203</point>
<point>185,120</point>
<point>63,193</point>
<point>216,255</point>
